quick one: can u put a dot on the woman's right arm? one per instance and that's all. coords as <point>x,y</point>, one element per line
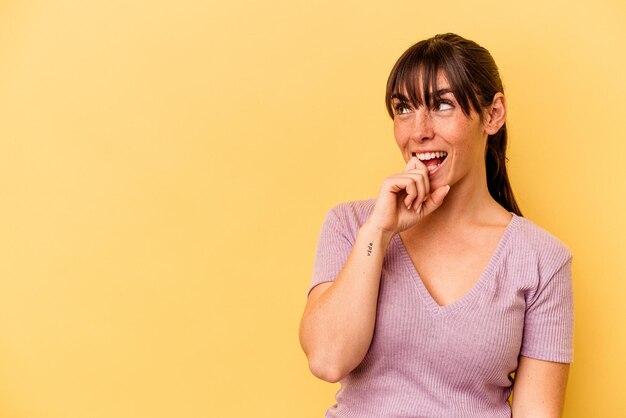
<point>337,326</point>
<point>338,321</point>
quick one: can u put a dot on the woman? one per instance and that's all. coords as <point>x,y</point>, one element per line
<point>437,298</point>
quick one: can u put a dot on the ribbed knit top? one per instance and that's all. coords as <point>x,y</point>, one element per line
<point>427,360</point>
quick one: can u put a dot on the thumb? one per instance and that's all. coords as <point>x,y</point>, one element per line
<point>435,199</point>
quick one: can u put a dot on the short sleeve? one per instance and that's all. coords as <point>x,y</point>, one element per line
<point>549,321</point>
<point>333,248</point>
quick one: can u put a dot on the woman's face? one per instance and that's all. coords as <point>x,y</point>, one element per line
<point>450,144</point>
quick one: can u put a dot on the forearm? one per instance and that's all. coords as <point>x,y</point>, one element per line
<point>337,328</point>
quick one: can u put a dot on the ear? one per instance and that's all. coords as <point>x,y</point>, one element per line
<point>495,114</point>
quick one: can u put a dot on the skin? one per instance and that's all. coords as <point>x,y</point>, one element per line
<point>539,388</point>
<point>450,206</point>
<point>468,224</point>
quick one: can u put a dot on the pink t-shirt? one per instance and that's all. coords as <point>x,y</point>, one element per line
<point>426,360</point>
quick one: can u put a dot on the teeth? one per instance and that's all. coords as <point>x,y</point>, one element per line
<point>423,156</point>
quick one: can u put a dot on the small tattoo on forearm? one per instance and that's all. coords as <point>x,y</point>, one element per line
<point>369,248</point>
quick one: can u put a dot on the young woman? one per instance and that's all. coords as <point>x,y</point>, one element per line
<point>437,298</point>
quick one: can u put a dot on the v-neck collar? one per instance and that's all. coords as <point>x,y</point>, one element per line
<point>488,272</point>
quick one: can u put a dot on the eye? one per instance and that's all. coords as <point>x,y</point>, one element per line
<point>443,105</point>
<point>401,108</point>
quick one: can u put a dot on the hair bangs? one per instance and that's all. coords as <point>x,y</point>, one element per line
<point>413,80</point>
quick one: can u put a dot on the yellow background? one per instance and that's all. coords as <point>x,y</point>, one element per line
<point>165,168</point>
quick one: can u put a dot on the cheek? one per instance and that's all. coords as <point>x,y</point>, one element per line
<point>399,134</point>
<point>459,132</point>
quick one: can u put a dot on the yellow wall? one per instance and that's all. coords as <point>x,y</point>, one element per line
<point>165,167</point>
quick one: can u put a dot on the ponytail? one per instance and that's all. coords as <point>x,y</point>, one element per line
<point>497,178</point>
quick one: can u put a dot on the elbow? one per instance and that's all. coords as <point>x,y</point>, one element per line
<point>331,366</point>
<point>328,365</point>
<point>325,371</point>
<point>319,364</point>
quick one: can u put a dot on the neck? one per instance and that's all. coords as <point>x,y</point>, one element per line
<point>468,202</point>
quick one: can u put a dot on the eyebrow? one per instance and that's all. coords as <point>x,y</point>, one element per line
<point>403,98</point>
<point>400,97</point>
<point>441,92</point>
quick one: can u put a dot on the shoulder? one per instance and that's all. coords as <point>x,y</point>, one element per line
<point>343,221</point>
<point>537,239</point>
<point>536,246</point>
<point>347,218</point>
<point>353,213</point>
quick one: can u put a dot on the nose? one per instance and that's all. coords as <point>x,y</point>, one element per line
<point>422,125</point>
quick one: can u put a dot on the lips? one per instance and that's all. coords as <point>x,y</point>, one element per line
<point>432,159</point>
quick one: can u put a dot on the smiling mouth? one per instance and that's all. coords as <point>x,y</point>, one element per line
<point>431,160</point>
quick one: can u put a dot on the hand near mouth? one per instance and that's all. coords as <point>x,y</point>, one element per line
<point>405,198</point>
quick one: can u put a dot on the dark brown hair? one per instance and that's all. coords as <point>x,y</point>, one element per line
<point>474,80</point>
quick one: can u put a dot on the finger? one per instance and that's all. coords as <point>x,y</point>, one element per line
<point>420,170</point>
<point>414,163</point>
<point>411,193</point>
<point>423,186</point>
<point>422,192</point>
<point>397,183</point>
<point>403,183</point>
<point>435,199</point>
